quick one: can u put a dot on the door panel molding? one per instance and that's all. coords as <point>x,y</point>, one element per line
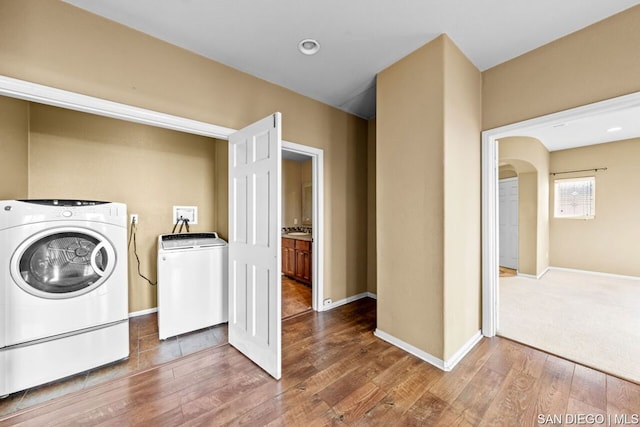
<point>255,315</point>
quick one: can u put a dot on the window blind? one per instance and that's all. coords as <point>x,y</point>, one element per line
<point>575,198</point>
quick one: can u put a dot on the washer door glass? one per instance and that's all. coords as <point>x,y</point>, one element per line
<point>65,264</point>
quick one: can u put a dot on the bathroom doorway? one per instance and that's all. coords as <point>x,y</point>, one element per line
<point>301,223</point>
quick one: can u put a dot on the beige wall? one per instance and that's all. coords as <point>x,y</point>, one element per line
<point>372,270</point>
<point>609,243</point>
<point>427,198</point>
<point>306,179</point>
<point>14,148</point>
<point>295,175</point>
<point>291,193</point>
<point>55,44</point>
<point>409,198</point>
<point>81,156</point>
<point>528,223</point>
<point>507,171</point>
<point>596,63</point>
<point>462,125</point>
<point>529,157</point>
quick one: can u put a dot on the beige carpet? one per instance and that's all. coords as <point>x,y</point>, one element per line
<point>590,319</point>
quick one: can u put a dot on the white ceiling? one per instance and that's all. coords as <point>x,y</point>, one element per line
<point>590,129</point>
<point>358,38</point>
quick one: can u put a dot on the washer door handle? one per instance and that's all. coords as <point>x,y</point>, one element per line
<point>94,254</point>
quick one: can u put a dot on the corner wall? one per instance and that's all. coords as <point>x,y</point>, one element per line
<point>410,198</point>
<point>372,248</point>
<point>428,200</point>
<point>462,127</point>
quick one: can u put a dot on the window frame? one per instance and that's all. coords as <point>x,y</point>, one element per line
<point>556,195</point>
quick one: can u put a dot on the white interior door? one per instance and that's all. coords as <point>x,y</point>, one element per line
<point>254,243</point>
<point>508,214</point>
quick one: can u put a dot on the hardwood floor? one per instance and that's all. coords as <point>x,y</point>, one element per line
<point>507,272</point>
<point>296,297</point>
<point>335,371</point>
<point>147,351</point>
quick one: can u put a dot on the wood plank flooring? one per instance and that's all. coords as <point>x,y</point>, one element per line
<point>296,297</point>
<point>336,372</point>
<point>507,272</point>
<point>146,350</point>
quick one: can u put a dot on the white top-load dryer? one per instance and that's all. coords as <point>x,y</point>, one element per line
<point>192,282</point>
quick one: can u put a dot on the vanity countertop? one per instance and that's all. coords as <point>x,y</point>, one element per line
<point>306,237</point>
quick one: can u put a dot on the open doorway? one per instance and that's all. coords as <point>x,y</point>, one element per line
<point>596,114</point>
<point>297,228</point>
<point>301,229</point>
<point>570,287</point>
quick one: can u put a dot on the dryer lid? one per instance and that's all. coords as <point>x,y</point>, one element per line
<point>190,240</point>
<point>63,202</point>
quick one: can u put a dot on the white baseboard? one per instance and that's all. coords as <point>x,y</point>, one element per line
<point>533,276</point>
<point>347,300</point>
<point>324,308</point>
<point>143,312</point>
<point>445,365</point>
<point>438,363</point>
<point>595,273</point>
<point>450,363</point>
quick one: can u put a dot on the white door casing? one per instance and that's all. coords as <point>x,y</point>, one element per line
<point>254,243</point>
<point>508,218</point>
<point>317,231</point>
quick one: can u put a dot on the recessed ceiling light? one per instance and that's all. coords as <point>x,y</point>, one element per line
<point>614,129</point>
<point>309,46</point>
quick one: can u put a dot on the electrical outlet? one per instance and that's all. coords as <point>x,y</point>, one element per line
<point>189,213</point>
<point>134,218</point>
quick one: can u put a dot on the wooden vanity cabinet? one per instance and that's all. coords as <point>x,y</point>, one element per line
<point>296,259</point>
<point>288,257</point>
<point>303,261</point>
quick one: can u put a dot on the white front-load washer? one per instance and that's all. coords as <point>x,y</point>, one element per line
<point>63,288</point>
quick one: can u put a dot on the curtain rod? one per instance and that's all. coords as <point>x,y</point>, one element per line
<point>580,170</point>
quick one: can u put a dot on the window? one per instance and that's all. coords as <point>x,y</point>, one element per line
<point>575,198</point>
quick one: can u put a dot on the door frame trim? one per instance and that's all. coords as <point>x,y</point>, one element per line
<point>489,194</point>
<point>28,91</point>
<point>317,229</point>
<point>35,92</point>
